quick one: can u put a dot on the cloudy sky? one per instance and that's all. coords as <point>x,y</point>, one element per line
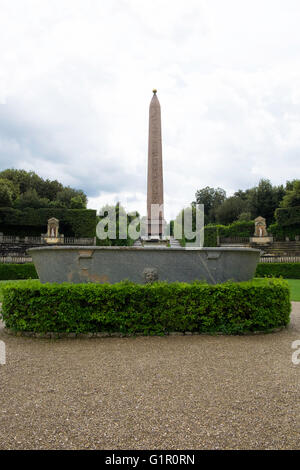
<point>76,80</point>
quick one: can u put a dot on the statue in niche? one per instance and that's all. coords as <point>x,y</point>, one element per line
<point>260,227</point>
<point>53,225</point>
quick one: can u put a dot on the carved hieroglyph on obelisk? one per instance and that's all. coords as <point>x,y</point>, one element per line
<point>155,192</point>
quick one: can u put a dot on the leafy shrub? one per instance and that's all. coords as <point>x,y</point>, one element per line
<point>156,308</point>
<point>286,270</point>
<point>210,236</point>
<point>237,229</point>
<point>17,271</point>
<point>288,216</point>
<point>282,231</point>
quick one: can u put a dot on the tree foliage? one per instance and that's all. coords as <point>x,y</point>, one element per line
<point>115,222</point>
<point>20,189</point>
<point>8,193</point>
<point>230,210</point>
<point>261,200</point>
<point>212,198</point>
<point>292,196</point>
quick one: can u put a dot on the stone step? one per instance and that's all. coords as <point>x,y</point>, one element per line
<point>174,243</point>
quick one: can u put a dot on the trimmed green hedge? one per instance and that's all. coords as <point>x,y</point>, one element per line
<point>9,272</point>
<point>29,221</point>
<point>210,236</point>
<point>237,229</point>
<point>286,270</point>
<point>157,308</point>
<point>282,231</point>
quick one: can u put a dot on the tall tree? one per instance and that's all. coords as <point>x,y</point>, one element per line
<point>8,193</point>
<point>292,196</point>
<point>264,199</point>
<point>230,210</point>
<point>212,198</point>
<point>34,191</point>
<point>31,199</point>
<point>68,196</point>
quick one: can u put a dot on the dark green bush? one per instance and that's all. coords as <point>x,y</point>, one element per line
<point>286,270</point>
<point>282,231</point>
<point>237,229</point>
<point>157,308</point>
<point>210,236</point>
<point>288,216</point>
<point>10,272</point>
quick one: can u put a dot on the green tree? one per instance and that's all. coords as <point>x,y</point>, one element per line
<point>7,193</point>
<point>264,199</point>
<point>212,198</point>
<point>230,210</point>
<point>77,203</point>
<point>118,225</point>
<point>51,188</point>
<point>23,180</point>
<point>292,196</point>
<point>289,185</point>
<point>244,217</point>
<point>31,184</point>
<point>31,199</point>
<point>65,197</point>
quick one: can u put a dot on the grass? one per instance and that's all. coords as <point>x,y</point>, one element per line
<point>294,285</point>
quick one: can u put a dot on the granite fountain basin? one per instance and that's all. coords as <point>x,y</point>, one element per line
<point>81,264</point>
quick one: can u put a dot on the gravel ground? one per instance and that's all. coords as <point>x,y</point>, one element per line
<point>173,392</point>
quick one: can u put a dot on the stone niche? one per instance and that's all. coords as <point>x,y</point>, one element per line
<point>261,234</point>
<point>53,235</point>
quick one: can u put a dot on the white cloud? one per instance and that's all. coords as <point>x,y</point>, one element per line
<point>76,79</point>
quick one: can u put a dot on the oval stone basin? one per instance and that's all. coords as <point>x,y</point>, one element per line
<point>101,264</point>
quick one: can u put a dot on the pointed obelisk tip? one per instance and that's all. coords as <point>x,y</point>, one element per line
<point>154,91</point>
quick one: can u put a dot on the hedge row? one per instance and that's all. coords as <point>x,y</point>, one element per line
<point>210,236</point>
<point>156,308</point>
<point>283,231</point>
<point>237,229</point>
<point>29,221</point>
<point>10,272</point>
<point>286,270</point>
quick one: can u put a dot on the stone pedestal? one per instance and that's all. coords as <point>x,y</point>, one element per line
<point>156,228</point>
<point>261,240</point>
<point>54,240</point>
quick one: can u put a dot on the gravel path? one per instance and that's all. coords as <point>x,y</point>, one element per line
<point>174,392</point>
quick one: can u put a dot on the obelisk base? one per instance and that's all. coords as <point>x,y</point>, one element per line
<point>156,228</point>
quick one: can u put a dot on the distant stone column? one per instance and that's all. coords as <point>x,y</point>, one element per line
<point>155,193</point>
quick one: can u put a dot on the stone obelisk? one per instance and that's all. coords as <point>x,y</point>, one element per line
<point>155,193</point>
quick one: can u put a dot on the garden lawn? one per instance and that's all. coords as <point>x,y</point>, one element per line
<point>294,285</point>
